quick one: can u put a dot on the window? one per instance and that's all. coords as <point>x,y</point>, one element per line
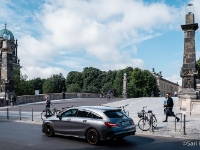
<point>94,115</point>
<point>69,113</point>
<point>114,114</point>
<point>82,113</point>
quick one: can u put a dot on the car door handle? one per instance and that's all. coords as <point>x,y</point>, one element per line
<point>84,120</point>
<point>68,119</point>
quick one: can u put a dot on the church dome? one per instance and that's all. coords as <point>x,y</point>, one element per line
<point>6,31</point>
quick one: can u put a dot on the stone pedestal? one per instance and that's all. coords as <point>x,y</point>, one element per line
<point>124,92</point>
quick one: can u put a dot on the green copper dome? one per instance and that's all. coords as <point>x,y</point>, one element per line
<point>6,31</point>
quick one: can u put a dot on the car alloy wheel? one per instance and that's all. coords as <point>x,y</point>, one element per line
<point>92,136</point>
<point>48,129</point>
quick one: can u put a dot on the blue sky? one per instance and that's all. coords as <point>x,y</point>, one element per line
<point>68,35</point>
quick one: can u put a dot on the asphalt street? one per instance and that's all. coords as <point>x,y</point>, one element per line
<point>18,136</point>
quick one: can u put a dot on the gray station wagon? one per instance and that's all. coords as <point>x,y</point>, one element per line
<point>94,123</point>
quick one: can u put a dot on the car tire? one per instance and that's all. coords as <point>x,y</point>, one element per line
<point>48,130</point>
<point>92,136</point>
<point>120,138</point>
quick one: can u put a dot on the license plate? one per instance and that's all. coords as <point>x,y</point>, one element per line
<point>124,123</point>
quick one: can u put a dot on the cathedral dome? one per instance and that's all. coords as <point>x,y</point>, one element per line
<point>6,31</point>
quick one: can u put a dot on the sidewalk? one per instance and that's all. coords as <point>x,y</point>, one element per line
<point>166,129</point>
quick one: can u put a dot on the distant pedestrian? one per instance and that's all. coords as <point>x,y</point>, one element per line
<point>102,94</point>
<point>197,94</point>
<point>152,95</point>
<point>48,103</point>
<point>14,100</point>
<point>175,94</point>
<point>7,100</point>
<point>63,95</point>
<point>169,107</point>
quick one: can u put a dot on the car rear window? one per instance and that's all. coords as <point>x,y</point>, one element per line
<point>114,113</point>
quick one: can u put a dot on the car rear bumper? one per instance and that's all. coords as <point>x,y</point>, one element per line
<point>112,135</point>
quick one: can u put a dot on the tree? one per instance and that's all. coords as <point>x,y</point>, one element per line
<point>143,83</point>
<point>91,80</point>
<point>118,83</point>
<point>74,77</point>
<point>73,88</point>
<point>54,84</point>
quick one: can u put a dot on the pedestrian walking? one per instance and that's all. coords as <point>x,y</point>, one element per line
<point>48,103</point>
<point>63,95</point>
<point>14,100</point>
<point>102,94</point>
<point>175,94</point>
<point>169,107</point>
<point>7,100</point>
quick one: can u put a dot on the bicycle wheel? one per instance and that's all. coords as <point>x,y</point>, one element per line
<point>144,124</point>
<point>45,114</point>
<point>154,121</point>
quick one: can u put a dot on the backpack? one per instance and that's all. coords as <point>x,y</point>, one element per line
<point>48,102</point>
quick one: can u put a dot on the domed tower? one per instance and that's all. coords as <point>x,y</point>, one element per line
<point>8,60</point>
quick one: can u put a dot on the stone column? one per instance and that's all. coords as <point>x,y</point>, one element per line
<point>189,71</point>
<point>124,92</point>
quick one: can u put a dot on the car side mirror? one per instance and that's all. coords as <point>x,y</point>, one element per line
<point>59,116</point>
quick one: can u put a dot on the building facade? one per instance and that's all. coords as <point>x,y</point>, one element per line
<point>8,60</point>
<point>165,86</point>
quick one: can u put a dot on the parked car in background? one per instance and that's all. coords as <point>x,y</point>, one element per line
<point>94,123</point>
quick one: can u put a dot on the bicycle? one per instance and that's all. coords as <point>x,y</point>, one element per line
<point>48,113</point>
<point>123,108</point>
<point>145,122</point>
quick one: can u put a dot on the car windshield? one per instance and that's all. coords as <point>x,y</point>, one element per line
<point>114,113</point>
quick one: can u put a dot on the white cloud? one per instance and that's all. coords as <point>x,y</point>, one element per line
<point>106,31</point>
<point>42,72</point>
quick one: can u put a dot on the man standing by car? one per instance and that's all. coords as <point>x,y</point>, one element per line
<point>169,107</point>
<point>48,103</point>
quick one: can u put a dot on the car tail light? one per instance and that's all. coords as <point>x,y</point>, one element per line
<point>110,124</point>
<point>132,121</point>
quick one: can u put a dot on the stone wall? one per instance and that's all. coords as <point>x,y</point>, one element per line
<point>53,96</point>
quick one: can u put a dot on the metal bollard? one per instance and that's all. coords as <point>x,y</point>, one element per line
<point>181,120</point>
<point>152,123</point>
<point>184,125</point>
<point>7,113</point>
<point>20,118</point>
<point>175,124</point>
<point>32,114</point>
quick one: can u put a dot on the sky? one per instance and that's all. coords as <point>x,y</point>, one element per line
<point>68,35</point>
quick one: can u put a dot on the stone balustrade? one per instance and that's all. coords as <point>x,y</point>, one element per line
<point>53,96</point>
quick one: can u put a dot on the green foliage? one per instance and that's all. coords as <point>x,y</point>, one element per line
<point>54,84</point>
<point>118,83</point>
<point>20,82</point>
<point>73,88</point>
<point>142,83</point>
<point>107,86</point>
<point>91,80</point>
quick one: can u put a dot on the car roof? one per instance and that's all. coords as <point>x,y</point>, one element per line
<point>98,108</point>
